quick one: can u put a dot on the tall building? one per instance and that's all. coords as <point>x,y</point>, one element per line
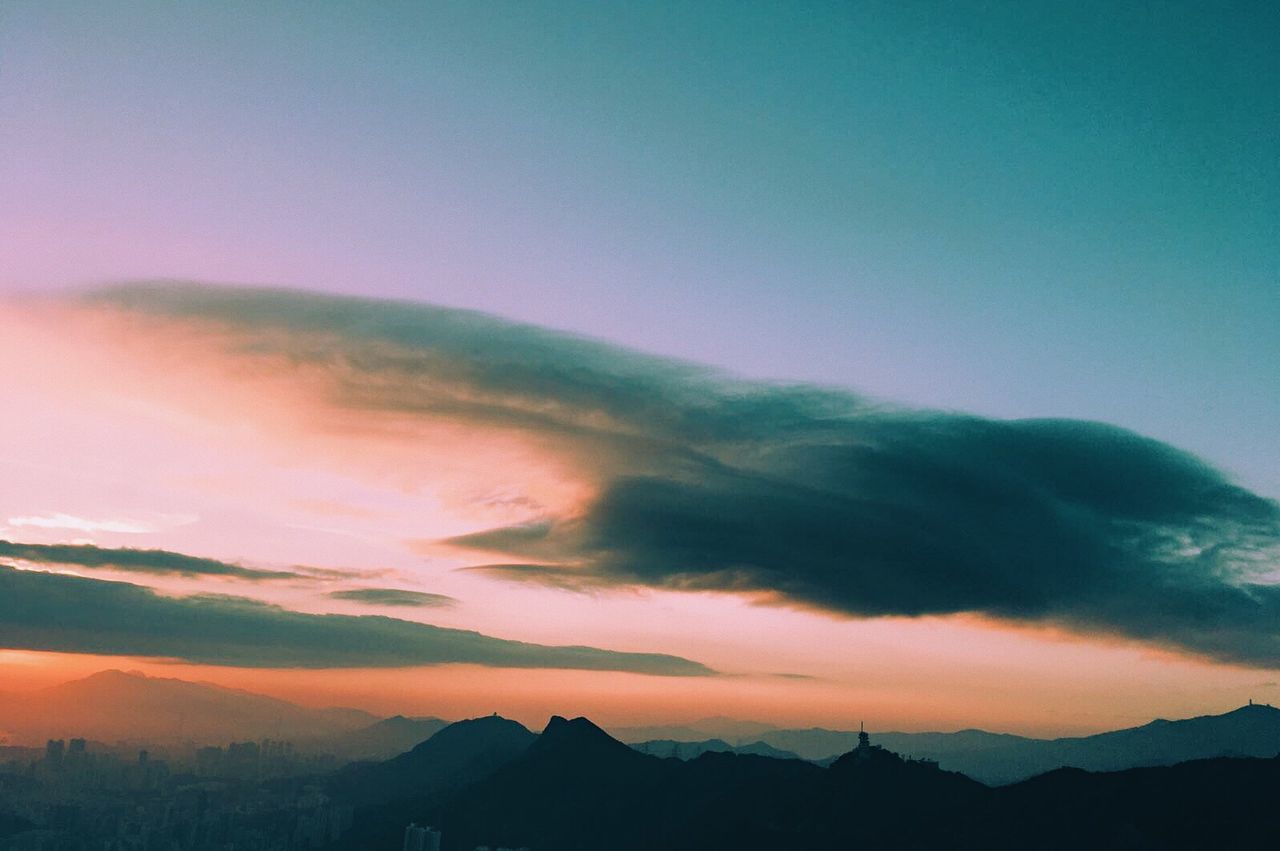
<point>421,838</point>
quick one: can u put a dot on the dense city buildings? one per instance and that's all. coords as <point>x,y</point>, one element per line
<point>252,796</point>
<point>421,838</point>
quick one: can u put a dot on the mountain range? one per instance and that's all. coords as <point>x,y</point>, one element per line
<point>999,758</point>
<point>1252,730</point>
<point>379,741</point>
<point>112,706</point>
<point>691,750</point>
<point>575,787</point>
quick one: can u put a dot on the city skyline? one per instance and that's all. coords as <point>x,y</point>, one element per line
<point>885,362</point>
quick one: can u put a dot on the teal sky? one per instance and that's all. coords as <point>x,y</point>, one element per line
<point>1016,209</point>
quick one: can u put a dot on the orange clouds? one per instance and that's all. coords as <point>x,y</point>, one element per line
<point>288,430</point>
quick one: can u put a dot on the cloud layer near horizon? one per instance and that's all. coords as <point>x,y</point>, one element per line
<point>71,614</point>
<point>800,495</point>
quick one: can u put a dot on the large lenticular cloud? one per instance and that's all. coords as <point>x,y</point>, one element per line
<point>808,496</point>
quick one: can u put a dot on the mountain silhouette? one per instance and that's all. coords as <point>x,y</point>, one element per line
<point>576,783</point>
<point>578,788</point>
<point>1252,730</point>
<point>118,705</point>
<point>411,787</point>
<point>456,754</point>
<point>578,740</point>
<point>1001,758</point>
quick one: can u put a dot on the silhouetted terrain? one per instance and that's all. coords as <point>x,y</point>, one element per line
<point>458,753</point>
<point>1252,730</point>
<point>490,781</point>
<point>1000,758</point>
<point>576,788</point>
<point>387,795</point>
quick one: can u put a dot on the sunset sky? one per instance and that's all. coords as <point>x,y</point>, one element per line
<point>906,363</point>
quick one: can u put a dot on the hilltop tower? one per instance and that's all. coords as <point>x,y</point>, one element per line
<point>864,743</point>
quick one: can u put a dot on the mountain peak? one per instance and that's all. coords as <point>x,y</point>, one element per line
<point>115,674</point>
<point>576,735</point>
<point>580,726</point>
<point>468,749</point>
<point>482,726</point>
<point>113,704</point>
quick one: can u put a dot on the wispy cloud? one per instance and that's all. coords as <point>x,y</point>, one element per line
<point>155,562</point>
<point>127,526</point>
<point>805,496</point>
<point>393,597</point>
<point>70,614</point>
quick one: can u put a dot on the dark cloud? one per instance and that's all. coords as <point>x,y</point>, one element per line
<point>949,515</point>
<point>393,597</point>
<point>526,538</point>
<point>808,496</point>
<point>155,562</point>
<point>70,614</point>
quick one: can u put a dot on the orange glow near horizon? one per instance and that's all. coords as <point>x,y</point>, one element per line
<point>166,434</point>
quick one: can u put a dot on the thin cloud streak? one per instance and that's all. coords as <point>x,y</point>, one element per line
<point>394,597</point>
<point>69,614</point>
<point>81,524</point>
<point>154,562</point>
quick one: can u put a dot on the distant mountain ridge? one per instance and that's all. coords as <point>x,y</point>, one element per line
<point>999,758</point>
<point>1250,731</point>
<point>574,787</point>
<point>383,739</point>
<point>116,705</point>
<point>577,788</point>
<point>692,750</point>
<point>112,706</point>
<point>490,781</point>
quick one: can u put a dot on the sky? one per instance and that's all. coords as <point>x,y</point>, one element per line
<point>902,362</point>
